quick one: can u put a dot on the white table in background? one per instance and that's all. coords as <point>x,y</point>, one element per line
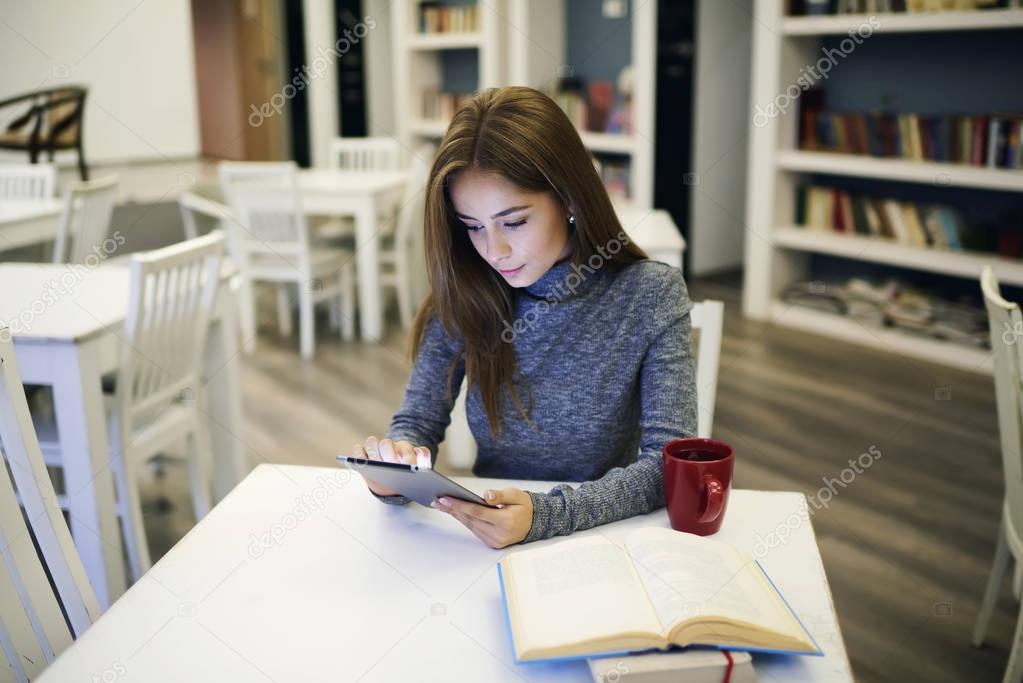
<point>654,231</point>
<point>361,195</point>
<point>27,222</point>
<point>67,323</point>
<point>300,575</point>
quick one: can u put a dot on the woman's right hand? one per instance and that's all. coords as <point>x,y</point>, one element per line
<point>387,450</point>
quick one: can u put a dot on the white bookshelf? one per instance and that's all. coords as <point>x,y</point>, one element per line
<point>536,55</point>
<point>777,253</point>
<point>417,62</point>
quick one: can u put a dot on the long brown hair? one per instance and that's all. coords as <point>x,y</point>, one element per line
<point>522,135</point>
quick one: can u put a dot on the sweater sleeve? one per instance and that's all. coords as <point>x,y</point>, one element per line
<point>667,394</point>
<point>425,412</point>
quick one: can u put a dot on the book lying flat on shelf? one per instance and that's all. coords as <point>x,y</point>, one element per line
<point>588,596</point>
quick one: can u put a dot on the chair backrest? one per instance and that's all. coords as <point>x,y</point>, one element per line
<point>1006,326</point>
<point>270,221</point>
<point>33,630</point>
<point>85,221</point>
<point>192,206</point>
<point>170,301</point>
<point>365,154</point>
<point>410,235</point>
<point>28,182</point>
<point>707,317</point>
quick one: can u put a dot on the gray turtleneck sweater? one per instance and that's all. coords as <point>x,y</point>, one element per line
<point>606,354</point>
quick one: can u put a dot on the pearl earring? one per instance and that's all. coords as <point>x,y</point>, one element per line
<point>571,218</point>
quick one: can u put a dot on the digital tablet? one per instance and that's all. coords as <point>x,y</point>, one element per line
<point>421,484</point>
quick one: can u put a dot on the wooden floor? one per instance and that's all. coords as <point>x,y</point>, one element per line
<point>906,545</point>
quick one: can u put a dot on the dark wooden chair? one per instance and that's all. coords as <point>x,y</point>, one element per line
<point>51,122</point>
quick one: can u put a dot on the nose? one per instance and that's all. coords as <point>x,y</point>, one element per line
<point>498,248</point>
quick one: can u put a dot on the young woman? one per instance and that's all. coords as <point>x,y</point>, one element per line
<point>575,346</point>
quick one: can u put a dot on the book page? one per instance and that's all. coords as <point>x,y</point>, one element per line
<point>688,576</point>
<point>578,590</point>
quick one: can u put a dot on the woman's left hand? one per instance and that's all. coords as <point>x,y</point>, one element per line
<point>497,527</point>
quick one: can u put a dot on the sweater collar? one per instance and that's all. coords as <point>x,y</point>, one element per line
<point>562,281</point>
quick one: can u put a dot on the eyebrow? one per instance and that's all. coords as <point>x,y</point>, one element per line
<point>507,211</point>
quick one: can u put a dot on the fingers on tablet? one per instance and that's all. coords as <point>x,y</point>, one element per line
<point>423,459</point>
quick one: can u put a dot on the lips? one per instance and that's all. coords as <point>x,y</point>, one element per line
<point>510,272</point>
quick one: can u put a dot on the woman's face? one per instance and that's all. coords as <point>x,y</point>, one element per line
<point>519,234</point>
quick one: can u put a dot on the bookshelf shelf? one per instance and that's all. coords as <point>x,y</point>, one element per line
<point>615,143</point>
<point>444,41</point>
<point>905,23</point>
<point>886,339</point>
<point>926,172</point>
<point>879,250</point>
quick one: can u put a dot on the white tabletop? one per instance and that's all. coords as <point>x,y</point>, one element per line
<point>48,302</point>
<point>15,210</point>
<point>652,229</point>
<point>335,181</point>
<point>300,575</point>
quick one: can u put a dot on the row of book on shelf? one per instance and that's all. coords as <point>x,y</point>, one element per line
<point>825,7</point>
<point>894,303</point>
<point>596,107</point>
<point>936,226</point>
<point>441,105</point>
<point>436,17</point>
<point>994,141</point>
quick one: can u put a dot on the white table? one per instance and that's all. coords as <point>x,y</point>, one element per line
<point>27,222</point>
<point>300,575</point>
<point>654,231</point>
<point>361,195</point>
<point>67,324</point>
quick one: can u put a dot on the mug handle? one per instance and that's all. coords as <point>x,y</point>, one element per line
<point>715,498</point>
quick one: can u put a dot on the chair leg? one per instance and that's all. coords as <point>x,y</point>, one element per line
<point>283,311</point>
<point>83,169</point>
<point>129,504</point>
<point>994,583</point>
<point>404,299</point>
<point>347,304</point>
<point>247,315</point>
<point>199,457</point>
<point>307,331</point>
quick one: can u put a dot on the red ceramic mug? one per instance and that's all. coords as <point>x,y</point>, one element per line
<point>697,479</point>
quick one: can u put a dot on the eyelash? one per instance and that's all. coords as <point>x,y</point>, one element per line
<point>516,224</point>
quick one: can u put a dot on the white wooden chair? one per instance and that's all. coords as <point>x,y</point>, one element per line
<point>33,629</point>
<point>28,182</point>
<point>85,220</point>
<point>155,405</point>
<point>364,154</point>
<point>1006,341</point>
<point>401,255</point>
<point>707,318</point>
<point>271,244</point>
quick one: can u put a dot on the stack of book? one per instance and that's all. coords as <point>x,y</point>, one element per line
<point>439,105</point>
<point>995,141</point>
<point>573,104</point>
<point>893,303</point>
<point>435,17</point>
<point>822,7</point>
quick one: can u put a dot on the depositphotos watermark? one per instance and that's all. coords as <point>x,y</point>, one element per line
<point>818,501</point>
<point>809,75</point>
<point>308,72</point>
<point>305,506</point>
<point>527,320</point>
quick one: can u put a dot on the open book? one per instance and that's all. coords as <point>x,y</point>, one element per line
<point>588,596</point>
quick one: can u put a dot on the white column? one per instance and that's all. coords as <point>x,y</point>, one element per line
<point>321,65</point>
